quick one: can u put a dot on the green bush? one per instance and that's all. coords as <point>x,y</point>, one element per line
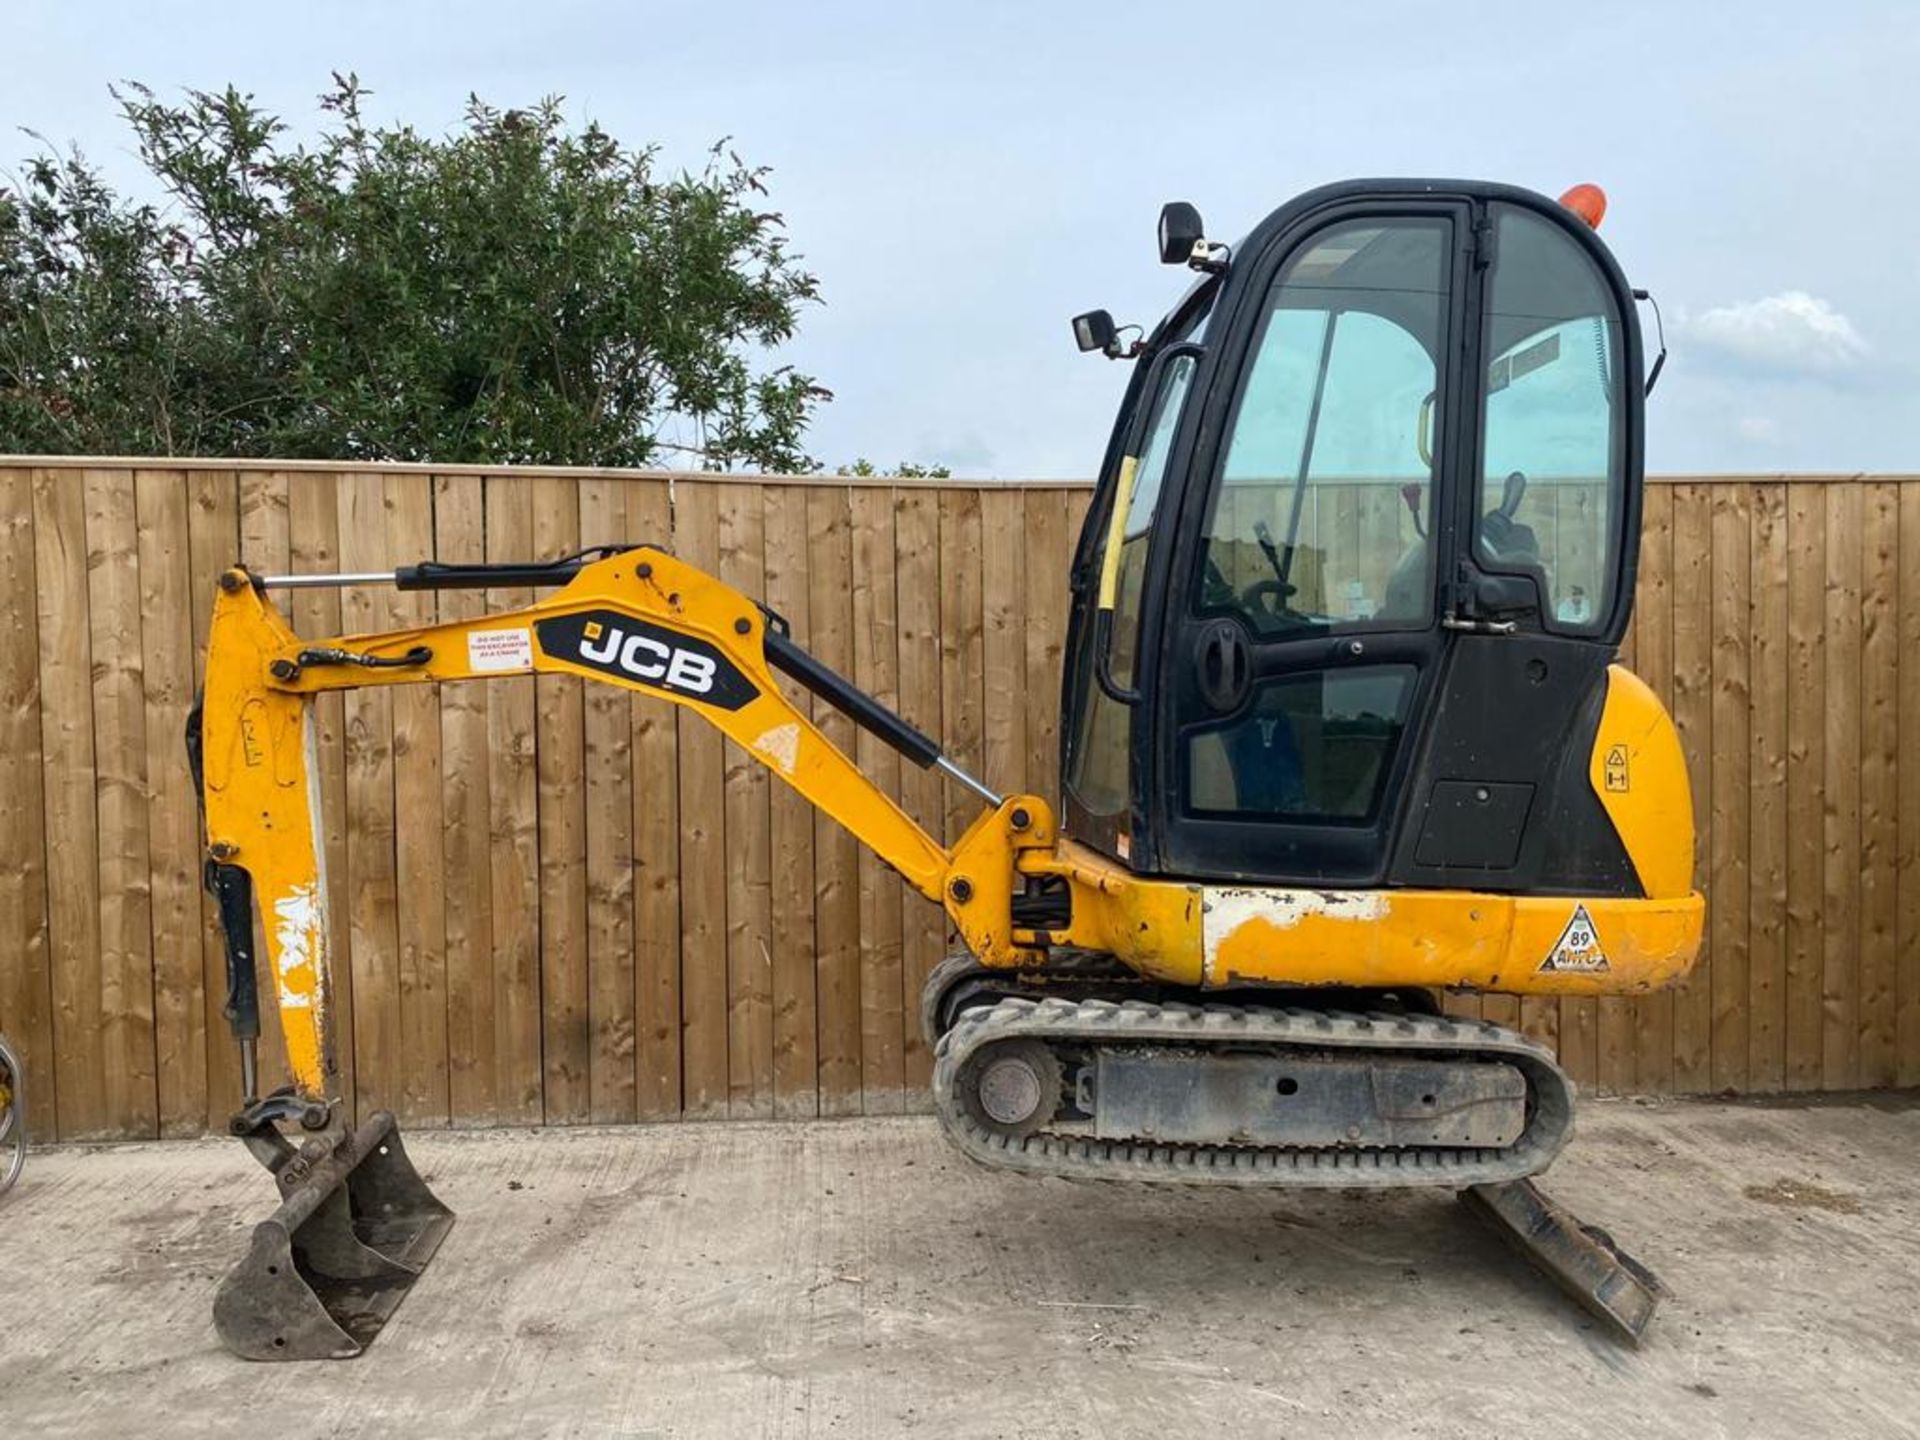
<point>515,291</point>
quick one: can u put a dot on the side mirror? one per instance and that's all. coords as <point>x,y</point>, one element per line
<point>1095,330</point>
<point>1180,231</point>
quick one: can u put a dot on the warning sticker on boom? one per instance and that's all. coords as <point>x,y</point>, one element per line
<point>1577,951</point>
<point>492,651</point>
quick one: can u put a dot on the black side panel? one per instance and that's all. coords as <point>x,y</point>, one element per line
<point>1516,719</point>
<point>1474,823</point>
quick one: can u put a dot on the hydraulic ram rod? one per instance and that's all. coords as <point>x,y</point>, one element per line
<point>440,575</point>
<point>430,576</point>
<point>324,582</point>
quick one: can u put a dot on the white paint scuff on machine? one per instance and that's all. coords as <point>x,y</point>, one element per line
<point>1225,908</point>
<point>296,928</point>
<point>781,745</point>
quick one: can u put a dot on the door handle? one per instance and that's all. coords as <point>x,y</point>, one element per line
<point>1478,627</point>
<point>1224,663</point>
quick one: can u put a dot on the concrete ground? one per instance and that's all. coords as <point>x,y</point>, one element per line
<point>858,1278</point>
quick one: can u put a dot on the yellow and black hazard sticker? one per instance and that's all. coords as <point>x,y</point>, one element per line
<point>1618,779</point>
<point>1577,951</point>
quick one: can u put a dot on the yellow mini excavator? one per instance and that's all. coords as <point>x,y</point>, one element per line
<point>1342,730</point>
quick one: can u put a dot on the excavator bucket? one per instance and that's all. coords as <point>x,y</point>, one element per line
<point>355,1228</point>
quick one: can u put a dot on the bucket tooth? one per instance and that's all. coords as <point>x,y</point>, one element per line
<point>355,1228</point>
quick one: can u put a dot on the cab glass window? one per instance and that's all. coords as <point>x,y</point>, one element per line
<point>1550,487</point>
<point>1098,770</point>
<point>1312,747</point>
<point>1320,516</point>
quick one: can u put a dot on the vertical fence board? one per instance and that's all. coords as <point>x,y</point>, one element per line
<point>459,537</point>
<point>1840,894</point>
<point>173,813</point>
<point>962,646</point>
<point>608,786</point>
<point>26,982</point>
<point>876,670</point>
<point>72,868</point>
<point>703,854</point>
<point>796,1091</point>
<point>419,790</point>
<point>559,763</point>
<point>1806,778</point>
<point>1765,999</point>
<point>656,858</point>
<point>916,534</point>
<point>513,798</point>
<point>749,959</point>
<point>120,758</point>
<point>1539,1018</point>
<point>1876,1034</point>
<point>367,744</point>
<point>1729,710</point>
<point>1579,1038</point>
<point>1004,547</point>
<point>835,866</point>
<point>1049,556</point>
<point>1907,879</point>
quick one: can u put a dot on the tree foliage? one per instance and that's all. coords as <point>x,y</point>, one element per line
<point>865,469</point>
<point>516,291</point>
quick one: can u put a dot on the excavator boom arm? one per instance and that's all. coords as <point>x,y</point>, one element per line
<point>639,619</point>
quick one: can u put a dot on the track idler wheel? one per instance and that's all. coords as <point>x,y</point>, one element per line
<point>1012,1088</point>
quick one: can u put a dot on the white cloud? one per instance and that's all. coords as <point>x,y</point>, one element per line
<point>1758,429</point>
<point>1792,333</point>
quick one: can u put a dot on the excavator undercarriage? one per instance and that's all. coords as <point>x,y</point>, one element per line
<point>1288,825</point>
<point>1205,1091</point>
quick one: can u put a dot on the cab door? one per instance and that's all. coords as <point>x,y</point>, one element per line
<point>1304,635</point>
<point>1501,795</point>
<point>1405,558</point>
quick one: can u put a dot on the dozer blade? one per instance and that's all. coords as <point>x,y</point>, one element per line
<point>1582,1260</point>
<point>355,1228</point>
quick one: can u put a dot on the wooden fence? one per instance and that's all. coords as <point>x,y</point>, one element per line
<point>561,903</point>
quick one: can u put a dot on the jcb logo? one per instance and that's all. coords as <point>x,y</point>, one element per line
<point>643,653</point>
<point>645,658</point>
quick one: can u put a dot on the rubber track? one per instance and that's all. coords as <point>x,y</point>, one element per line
<point>1131,1022</point>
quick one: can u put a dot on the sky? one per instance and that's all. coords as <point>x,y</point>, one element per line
<point>964,178</point>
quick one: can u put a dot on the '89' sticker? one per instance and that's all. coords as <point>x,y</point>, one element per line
<point>1577,951</point>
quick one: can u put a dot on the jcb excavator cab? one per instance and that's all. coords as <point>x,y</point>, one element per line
<point>1361,553</point>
